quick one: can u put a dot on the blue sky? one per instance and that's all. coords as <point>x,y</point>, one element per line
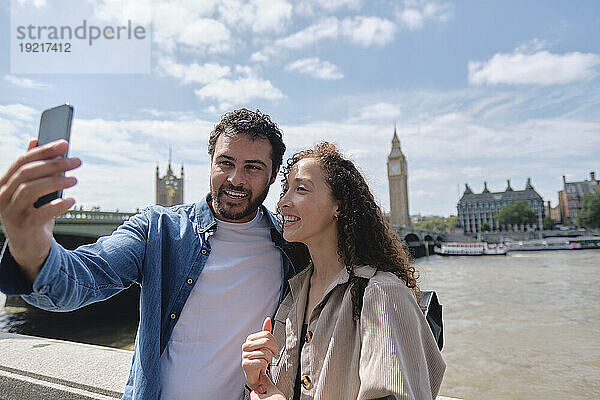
<point>479,91</point>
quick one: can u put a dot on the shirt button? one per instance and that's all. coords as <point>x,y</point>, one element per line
<point>190,281</point>
<point>173,316</point>
<point>306,382</point>
<point>308,336</point>
<point>204,251</point>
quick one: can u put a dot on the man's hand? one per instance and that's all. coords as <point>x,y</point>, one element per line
<point>28,230</point>
<point>257,353</point>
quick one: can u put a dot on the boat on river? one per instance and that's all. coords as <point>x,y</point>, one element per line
<point>589,242</point>
<point>470,249</point>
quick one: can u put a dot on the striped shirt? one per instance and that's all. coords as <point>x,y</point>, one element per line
<point>389,353</point>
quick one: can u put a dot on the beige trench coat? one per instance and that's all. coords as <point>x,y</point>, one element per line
<point>389,353</point>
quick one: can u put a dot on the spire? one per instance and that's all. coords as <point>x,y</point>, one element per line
<point>508,187</point>
<point>395,140</point>
<point>529,186</point>
<point>467,189</point>
<point>485,188</point>
<point>169,170</point>
<point>396,151</point>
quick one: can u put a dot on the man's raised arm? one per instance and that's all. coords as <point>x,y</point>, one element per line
<point>28,230</point>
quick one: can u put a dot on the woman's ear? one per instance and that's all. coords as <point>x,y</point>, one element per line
<point>337,212</point>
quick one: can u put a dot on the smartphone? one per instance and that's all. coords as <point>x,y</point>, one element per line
<point>55,124</point>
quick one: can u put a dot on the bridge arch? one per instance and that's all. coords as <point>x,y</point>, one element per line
<point>412,240</point>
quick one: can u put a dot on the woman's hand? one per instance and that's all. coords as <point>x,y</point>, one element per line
<point>257,353</point>
<point>266,390</point>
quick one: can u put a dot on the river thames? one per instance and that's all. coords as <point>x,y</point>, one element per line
<point>523,326</point>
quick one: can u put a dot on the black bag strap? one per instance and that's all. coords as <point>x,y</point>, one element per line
<point>432,310</point>
<point>429,304</point>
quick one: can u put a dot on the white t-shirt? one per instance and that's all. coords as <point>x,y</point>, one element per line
<point>238,287</point>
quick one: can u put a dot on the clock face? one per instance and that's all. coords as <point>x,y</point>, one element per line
<point>395,168</point>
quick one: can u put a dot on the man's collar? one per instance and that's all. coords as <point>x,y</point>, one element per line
<point>204,215</point>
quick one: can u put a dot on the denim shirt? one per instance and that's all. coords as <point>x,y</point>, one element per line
<point>161,249</point>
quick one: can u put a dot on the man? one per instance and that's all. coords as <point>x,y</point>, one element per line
<point>209,272</point>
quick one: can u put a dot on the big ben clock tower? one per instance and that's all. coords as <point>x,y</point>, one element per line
<point>398,183</point>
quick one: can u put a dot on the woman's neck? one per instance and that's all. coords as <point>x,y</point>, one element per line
<point>326,262</point>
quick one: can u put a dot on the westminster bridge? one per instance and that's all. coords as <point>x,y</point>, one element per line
<point>78,227</point>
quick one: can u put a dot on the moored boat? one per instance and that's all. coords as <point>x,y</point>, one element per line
<point>470,249</point>
<point>588,242</point>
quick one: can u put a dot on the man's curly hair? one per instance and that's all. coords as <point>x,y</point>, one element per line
<point>254,124</point>
<point>364,236</point>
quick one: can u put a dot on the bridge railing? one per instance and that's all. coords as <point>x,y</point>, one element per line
<point>94,216</point>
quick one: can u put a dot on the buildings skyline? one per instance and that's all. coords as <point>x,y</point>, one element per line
<point>477,211</point>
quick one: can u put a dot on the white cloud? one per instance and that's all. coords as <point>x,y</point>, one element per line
<point>36,3</point>
<point>244,70</point>
<point>259,57</point>
<point>414,14</point>
<point>194,73</point>
<point>311,7</point>
<point>18,111</point>
<point>185,22</point>
<point>368,31</point>
<point>325,29</point>
<point>230,92</point>
<point>188,24</point>
<point>139,11</point>
<point>360,30</point>
<point>381,112</point>
<point>206,34</point>
<point>177,115</point>
<point>26,83</point>
<point>532,46</point>
<point>540,68</point>
<point>413,19</point>
<point>257,15</point>
<point>316,68</point>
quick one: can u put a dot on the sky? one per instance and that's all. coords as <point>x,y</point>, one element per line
<point>478,91</point>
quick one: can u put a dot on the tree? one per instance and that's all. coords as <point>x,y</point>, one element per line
<point>548,222</point>
<point>451,222</point>
<point>485,227</point>
<point>518,212</point>
<point>438,224</point>
<point>590,211</point>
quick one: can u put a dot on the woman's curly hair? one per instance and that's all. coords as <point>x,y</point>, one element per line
<point>364,236</point>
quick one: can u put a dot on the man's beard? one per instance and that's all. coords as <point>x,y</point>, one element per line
<point>225,211</point>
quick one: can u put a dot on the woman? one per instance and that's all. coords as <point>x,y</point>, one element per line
<point>350,328</point>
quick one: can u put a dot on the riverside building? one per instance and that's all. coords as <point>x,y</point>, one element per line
<point>571,197</point>
<point>477,211</point>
